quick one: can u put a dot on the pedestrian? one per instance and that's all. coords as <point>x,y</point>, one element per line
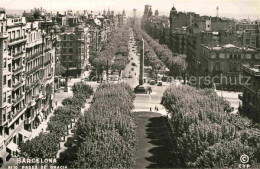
<point>56,103</point>
<point>150,109</point>
<point>155,108</point>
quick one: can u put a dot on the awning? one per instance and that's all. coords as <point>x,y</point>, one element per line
<point>12,146</point>
<point>25,133</point>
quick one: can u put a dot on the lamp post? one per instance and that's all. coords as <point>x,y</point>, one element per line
<point>66,82</point>
<point>197,73</point>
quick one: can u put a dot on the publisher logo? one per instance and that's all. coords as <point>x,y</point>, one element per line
<point>244,159</point>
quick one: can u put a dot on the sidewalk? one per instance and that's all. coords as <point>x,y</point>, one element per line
<point>62,146</point>
<point>59,96</point>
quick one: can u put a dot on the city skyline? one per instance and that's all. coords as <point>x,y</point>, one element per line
<point>239,9</point>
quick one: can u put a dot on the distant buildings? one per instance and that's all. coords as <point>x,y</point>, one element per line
<point>191,34</point>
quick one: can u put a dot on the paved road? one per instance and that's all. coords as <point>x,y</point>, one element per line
<point>132,70</point>
<point>153,149</point>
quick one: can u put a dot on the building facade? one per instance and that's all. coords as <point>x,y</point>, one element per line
<point>27,72</point>
<point>251,93</point>
<point>226,61</point>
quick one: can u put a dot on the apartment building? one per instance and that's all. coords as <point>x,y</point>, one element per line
<point>226,60</point>
<point>73,46</point>
<point>251,93</point>
<point>27,75</point>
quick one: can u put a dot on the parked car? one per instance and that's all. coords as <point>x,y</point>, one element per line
<point>132,69</point>
<point>130,76</point>
<point>152,82</point>
<point>140,89</point>
<point>133,64</point>
<point>159,83</point>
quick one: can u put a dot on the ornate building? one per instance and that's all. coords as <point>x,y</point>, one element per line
<point>27,72</point>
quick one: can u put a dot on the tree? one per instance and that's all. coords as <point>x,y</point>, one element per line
<point>59,69</point>
<point>157,65</point>
<point>42,146</point>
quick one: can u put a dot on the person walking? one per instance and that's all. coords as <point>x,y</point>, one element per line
<point>150,109</point>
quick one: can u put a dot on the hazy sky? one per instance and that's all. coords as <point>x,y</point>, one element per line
<point>240,7</point>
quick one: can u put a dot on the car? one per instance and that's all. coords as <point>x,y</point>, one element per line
<point>152,82</point>
<point>130,76</point>
<point>132,69</point>
<point>132,58</point>
<point>133,64</point>
<point>140,89</point>
<point>159,83</point>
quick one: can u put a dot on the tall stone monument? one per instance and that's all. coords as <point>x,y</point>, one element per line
<point>141,76</point>
<point>140,88</point>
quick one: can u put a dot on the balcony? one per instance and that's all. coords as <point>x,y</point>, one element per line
<point>33,70</point>
<point>18,55</point>
<point>32,103</point>
<point>33,43</point>
<point>17,40</point>
<point>17,99</point>
<point>47,50</point>
<point>18,84</point>
<point>16,115</point>
<point>49,76</point>
<point>48,62</point>
<point>3,35</point>
<point>28,87</point>
<point>34,56</point>
<point>28,120</point>
<point>18,69</point>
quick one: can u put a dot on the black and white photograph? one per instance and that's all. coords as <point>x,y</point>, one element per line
<point>129,84</point>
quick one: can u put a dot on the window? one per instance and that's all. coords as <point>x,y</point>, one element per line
<point>4,79</point>
<point>9,99</point>
<point>4,97</point>
<point>71,50</point>
<point>9,83</point>
<point>217,55</point>
<point>4,115</point>
<point>9,67</point>
<point>70,57</point>
<point>4,62</point>
<point>5,45</point>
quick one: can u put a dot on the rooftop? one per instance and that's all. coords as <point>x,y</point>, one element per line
<point>253,70</point>
<point>228,47</point>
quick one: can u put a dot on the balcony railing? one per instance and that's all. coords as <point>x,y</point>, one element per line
<point>16,114</point>
<point>48,62</point>
<point>28,120</point>
<point>32,84</point>
<point>34,55</point>
<point>33,69</point>
<point>18,40</point>
<point>3,34</point>
<point>17,100</point>
<point>17,84</point>
<point>17,69</point>
<point>18,54</point>
<point>47,50</point>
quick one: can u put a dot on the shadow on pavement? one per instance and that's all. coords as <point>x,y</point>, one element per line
<point>161,151</point>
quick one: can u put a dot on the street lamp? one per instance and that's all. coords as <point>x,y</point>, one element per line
<point>197,72</point>
<point>66,83</point>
